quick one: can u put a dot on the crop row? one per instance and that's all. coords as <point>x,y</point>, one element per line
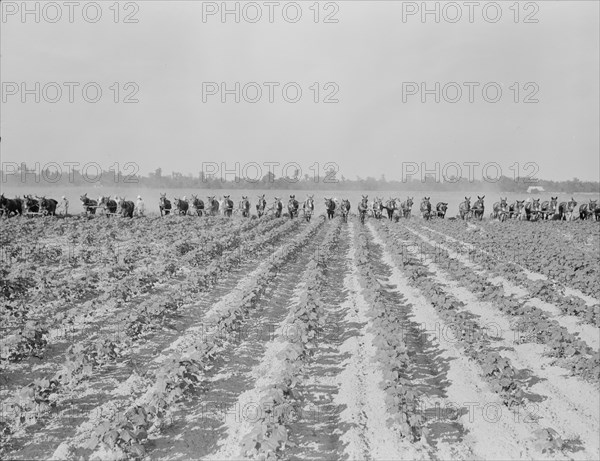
<point>542,251</point>
<point>533,324</point>
<point>182,372</point>
<point>280,399</point>
<point>545,290</point>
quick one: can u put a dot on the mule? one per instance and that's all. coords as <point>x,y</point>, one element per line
<point>588,210</point>
<point>500,209</point>
<point>566,210</point>
<point>425,208</point>
<point>549,208</point>
<point>515,210</point>
<point>532,210</point>
<point>10,206</point>
<point>127,207</point>
<point>32,205</point>
<point>261,205</point>
<point>464,209</point>
<point>363,206</point>
<point>212,205</point>
<point>245,206</point>
<point>406,207</point>
<point>377,207</point>
<point>89,205</point>
<point>390,207</point>
<point>109,205</point>
<point>478,208</point>
<point>198,205</point>
<point>227,206</point>
<point>440,209</point>
<point>182,206</point>
<point>330,207</point>
<point>278,207</point>
<point>48,206</point>
<point>345,209</point>
<point>164,205</point>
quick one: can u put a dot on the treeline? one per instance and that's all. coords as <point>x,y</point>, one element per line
<point>157,180</point>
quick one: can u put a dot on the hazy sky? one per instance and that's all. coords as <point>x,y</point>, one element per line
<point>369,56</point>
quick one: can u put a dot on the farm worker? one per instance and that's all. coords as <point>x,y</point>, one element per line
<point>140,206</point>
<point>65,204</point>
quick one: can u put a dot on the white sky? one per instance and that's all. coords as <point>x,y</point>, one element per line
<point>369,53</point>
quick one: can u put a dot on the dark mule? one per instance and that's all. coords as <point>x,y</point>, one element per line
<point>406,207</point>
<point>198,205</point>
<point>127,207</point>
<point>345,209</point>
<point>532,210</point>
<point>309,207</point>
<point>182,206</point>
<point>515,210</point>
<point>478,208</point>
<point>109,205</point>
<point>500,210</point>
<point>566,210</point>
<point>10,206</point>
<point>464,209</point>
<point>363,206</point>
<point>213,205</point>
<point>32,205</point>
<point>48,206</point>
<point>278,207</point>
<point>164,205</point>
<point>425,208</point>
<point>330,207</point>
<point>89,205</point>
<point>549,208</point>
<point>261,206</point>
<point>245,206</point>
<point>293,206</point>
<point>588,210</point>
<point>440,209</point>
<point>227,206</point>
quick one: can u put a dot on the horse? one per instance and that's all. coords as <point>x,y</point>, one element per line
<point>32,205</point>
<point>549,208</point>
<point>464,209</point>
<point>377,207</point>
<point>500,209</point>
<point>198,205</point>
<point>330,207</point>
<point>363,207</point>
<point>182,206</point>
<point>478,208</point>
<point>588,210</point>
<point>48,206</point>
<point>406,207</point>
<point>245,206</point>
<point>308,207</point>
<point>532,210</point>
<point>345,208</point>
<point>278,207</point>
<point>440,209</point>
<point>261,205</point>
<point>89,205</point>
<point>227,206</point>
<point>391,207</point>
<point>566,210</point>
<point>425,208</point>
<point>213,205</point>
<point>293,206</point>
<point>515,210</point>
<point>164,205</point>
<point>109,205</point>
